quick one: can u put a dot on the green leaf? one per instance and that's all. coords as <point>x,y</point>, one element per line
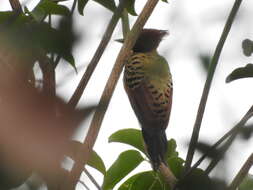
<point>109,4</point>
<point>247,183</point>
<point>176,165</point>
<point>241,72</point>
<point>125,163</point>
<point>75,152</point>
<point>247,46</point>
<point>129,136</point>
<point>130,7</point>
<point>81,5</point>
<point>166,1</point>
<point>71,60</point>
<point>171,152</point>
<point>197,180</point>
<point>46,7</point>
<point>148,180</point>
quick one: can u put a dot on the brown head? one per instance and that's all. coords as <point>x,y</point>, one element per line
<point>148,40</point>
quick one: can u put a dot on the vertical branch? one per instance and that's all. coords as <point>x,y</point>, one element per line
<point>125,23</point>
<point>99,52</point>
<point>109,89</point>
<point>211,70</point>
<point>16,6</point>
<point>241,174</point>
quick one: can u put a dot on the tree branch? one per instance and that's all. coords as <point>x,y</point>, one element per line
<point>169,177</point>
<point>241,174</point>
<point>109,88</point>
<point>231,132</point>
<point>211,70</point>
<point>16,6</point>
<point>99,52</point>
<point>92,178</point>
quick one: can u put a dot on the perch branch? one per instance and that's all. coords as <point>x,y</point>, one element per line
<point>99,52</point>
<point>211,70</point>
<point>169,177</point>
<point>108,91</point>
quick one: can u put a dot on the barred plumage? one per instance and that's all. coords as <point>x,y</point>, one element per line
<point>148,83</point>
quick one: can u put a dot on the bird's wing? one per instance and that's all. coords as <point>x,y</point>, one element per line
<point>151,105</point>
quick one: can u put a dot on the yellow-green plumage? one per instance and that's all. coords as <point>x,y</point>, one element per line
<point>148,83</point>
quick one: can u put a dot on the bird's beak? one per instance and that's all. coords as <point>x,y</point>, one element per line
<point>120,40</point>
<point>164,33</point>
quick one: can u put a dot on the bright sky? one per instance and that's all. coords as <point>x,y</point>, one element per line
<point>195,27</point>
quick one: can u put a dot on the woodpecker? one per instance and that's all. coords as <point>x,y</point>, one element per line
<point>148,84</point>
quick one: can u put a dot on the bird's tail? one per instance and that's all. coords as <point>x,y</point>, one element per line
<point>156,142</point>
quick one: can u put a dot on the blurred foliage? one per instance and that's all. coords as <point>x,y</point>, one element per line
<point>247,46</point>
<point>247,183</point>
<point>241,72</point>
<point>205,60</point>
<point>75,153</point>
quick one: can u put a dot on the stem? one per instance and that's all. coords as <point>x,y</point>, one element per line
<point>125,23</point>
<point>221,154</point>
<point>73,7</point>
<point>169,177</point>
<point>202,104</point>
<point>241,174</point>
<point>86,187</point>
<point>99,52</point>
<point>16,6</point>
<point>231,132</point>
<point>109,88</point>
<point>92,179</point>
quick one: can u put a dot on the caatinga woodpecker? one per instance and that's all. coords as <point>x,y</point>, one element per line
<point>148,83</point>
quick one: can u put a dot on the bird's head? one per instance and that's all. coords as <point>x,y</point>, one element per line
<point>148,40</point>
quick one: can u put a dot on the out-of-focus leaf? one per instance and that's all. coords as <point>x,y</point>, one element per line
<point>171,152</point>
<point>130,7</point>
<point>131,137</point>
<point>176,165</point>
<point>196,180</point>
<point>81,5</point>
<point>241,72</point>
<point>247,46</point>
<point>46,7</point>
<point>247,183</point>
<point>166,1</point>
<point>13,175</point>
<point>204,147</point>
<point>205,60</point>
<point>109,4</point>
<point>75,152</point>
<point>125,163</point>
<point>142,181</point>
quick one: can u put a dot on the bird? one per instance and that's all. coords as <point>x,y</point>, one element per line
<point>148,84</point>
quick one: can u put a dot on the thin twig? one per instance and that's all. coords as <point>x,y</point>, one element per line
<point>125,23</point>
<point>86,187</point>
<point>241,174</point>
<point>92,178</point>
<point>169,177</point>
<point>109,89</point>
<point>211,70</point>
<point>99,52</point>
<point>235,130</point>
<point>221,152</point>
<point>73,7</point>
